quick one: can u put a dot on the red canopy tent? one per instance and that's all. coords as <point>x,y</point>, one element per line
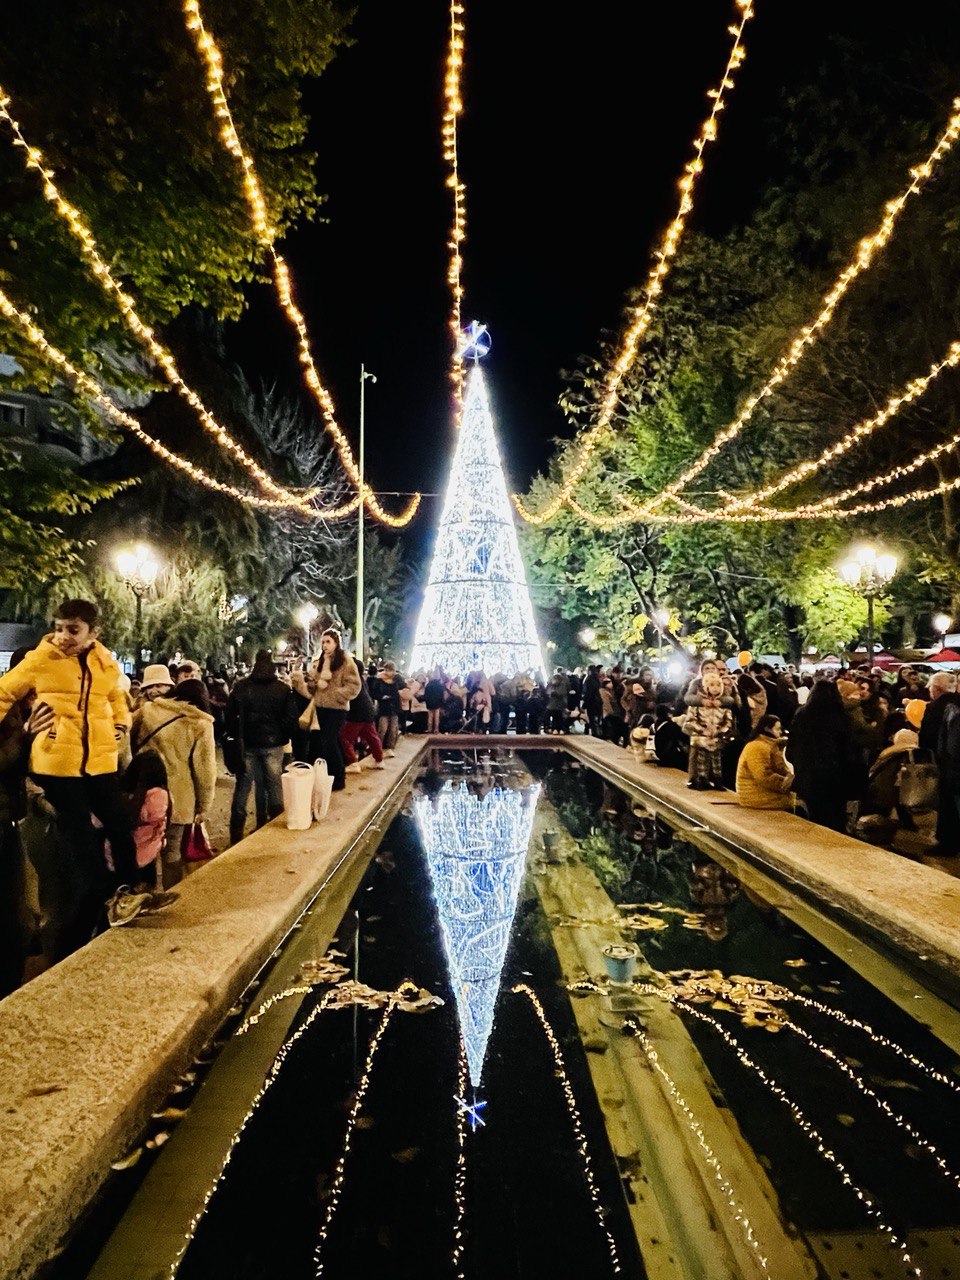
<point>944,655</point>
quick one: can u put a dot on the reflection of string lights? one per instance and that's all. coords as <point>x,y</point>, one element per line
<point>336,1187</point>
<point>806,1127</point>
<point>453,104</point>
<point>254,1018</point>
<point>234,1141</point>
<point>900,1121</point>
<point>867,250</point>
<point>736,1208</point>
<point>574,1112</point>
<point>476,850</point>
<point>34,159</point>
<point>91,388</point>
<point>643,315</point>
<point>460,1176</point>
<point>257,206</point>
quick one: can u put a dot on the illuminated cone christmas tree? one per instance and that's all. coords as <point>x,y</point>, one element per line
<point>476,612</point>
<point>476,849</point>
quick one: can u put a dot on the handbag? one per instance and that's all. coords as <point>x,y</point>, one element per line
<point>308,718</point>
<point>917,785</point>
<point>195,847</point>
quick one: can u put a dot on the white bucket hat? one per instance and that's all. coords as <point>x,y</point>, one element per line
<point>156,674</point>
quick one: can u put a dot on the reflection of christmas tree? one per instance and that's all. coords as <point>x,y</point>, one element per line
<point>476,849</point>
<point>476,610</point>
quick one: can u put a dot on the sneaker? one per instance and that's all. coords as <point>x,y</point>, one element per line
<point>390,752</point>
<point>376,764</point>
<point>356,767</point>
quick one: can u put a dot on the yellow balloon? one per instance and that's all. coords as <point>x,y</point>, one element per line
<point>744,658</point>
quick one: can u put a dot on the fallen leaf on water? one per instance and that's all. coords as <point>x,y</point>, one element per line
<point>914,1151</point>
<point>158,1140</point>
<point>365,1122</point>
<point>796,964</point>
<point>128,1161</point>
<point>884,1083</point>
<point>831,991</point>
<point>846,1120</point>
<point>406,1155</point>
<point>385,860</point>
<point>170,1115</point>
<point>853,1062</point>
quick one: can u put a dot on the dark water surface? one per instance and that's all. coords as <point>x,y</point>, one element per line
<point>460,847</point>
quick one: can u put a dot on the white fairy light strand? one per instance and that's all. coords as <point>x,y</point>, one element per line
<point>574,1112</point>
<point>94,391</point>
<point>806,1127</point>
<point>249,1023</point>
<point>453,108</point>
<point>643,314</point>
<point>736,1208</point>
<point>266,235</point>
<point>336,1187</point>
<point>34,160</point>
<point>281,1057</point>
<point>867,251</point>
<point>460,1175</point>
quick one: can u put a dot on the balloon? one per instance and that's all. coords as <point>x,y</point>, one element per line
<point>744,658</point>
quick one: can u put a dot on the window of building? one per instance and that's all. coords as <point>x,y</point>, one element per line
<point>12,415</point>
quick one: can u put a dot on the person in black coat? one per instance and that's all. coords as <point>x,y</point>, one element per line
<point>828,765</point>
<point>943,696</point>
<point>261,716</point>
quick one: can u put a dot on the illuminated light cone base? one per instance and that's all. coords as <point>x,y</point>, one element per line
<point>476,612</point>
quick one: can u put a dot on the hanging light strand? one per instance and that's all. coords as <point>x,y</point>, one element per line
<point>644,313</point>
<point>580,1136</point>
<point>867,251</point>
<point>460,1175</point>
<point>806,1127</point>
<point>336,1186</point>
<point>453,109</point>
<point>95,392</point>
<point>736,1208</point>
<point>71,216</point>
<point>266,235</point>
<point>258,1097</point>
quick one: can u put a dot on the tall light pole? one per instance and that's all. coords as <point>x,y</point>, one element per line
<point>660,619</point>
<point>138,569</point>
<point>869,574</point>
<point>364,379</point>
<point>306,615</point>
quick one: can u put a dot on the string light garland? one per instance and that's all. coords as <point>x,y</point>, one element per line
<point>95,392</point>
<point>34,160</point>
<point>644,313</point>
<point>266,235</point>
<point>460,1175</point>
<point>867,251</point>
<point>453,108</point>
<point>250,1022</point>
<point>336,1187</point>
<point>806,1127</point>
<point>890,1112</point>
<point>578,1132</point>
<point>736,1208</point>
<point>268,1083</point>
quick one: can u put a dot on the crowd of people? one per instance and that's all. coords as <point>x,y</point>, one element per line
<point>106,781</point>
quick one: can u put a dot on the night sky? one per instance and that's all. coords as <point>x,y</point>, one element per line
<point>574,136</point>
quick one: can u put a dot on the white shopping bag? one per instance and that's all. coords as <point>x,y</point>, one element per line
<point>322,789</point>
<point>297,782</point>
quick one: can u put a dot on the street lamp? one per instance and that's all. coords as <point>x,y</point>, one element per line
<point>942,623</point>
<point>587,637</point>
<point>306,615</point>
<point>869,574</point>
<point>138,569</point>
<point>660,619</point>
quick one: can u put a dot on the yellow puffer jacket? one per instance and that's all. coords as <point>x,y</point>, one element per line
<point>91,711</point>
<point>764,779</point>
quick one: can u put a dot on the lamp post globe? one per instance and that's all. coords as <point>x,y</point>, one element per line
<point>138,568</point>
<point>307,615</point>
<point>869,572</point>
<point>942,624</point>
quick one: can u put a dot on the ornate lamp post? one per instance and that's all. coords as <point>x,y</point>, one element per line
<point>306,615</point>
<point>138,569</point>
<point>869,574</point>
<point>942,624</point>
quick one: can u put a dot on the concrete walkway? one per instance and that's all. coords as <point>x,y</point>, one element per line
<point>914,908</point>
<point>89,1048</point>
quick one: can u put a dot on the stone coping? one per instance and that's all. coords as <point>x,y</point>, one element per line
<point>89,1048</point>
<point>913,908</point>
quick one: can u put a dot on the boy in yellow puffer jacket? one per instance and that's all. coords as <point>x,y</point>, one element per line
<point>75,760</point>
